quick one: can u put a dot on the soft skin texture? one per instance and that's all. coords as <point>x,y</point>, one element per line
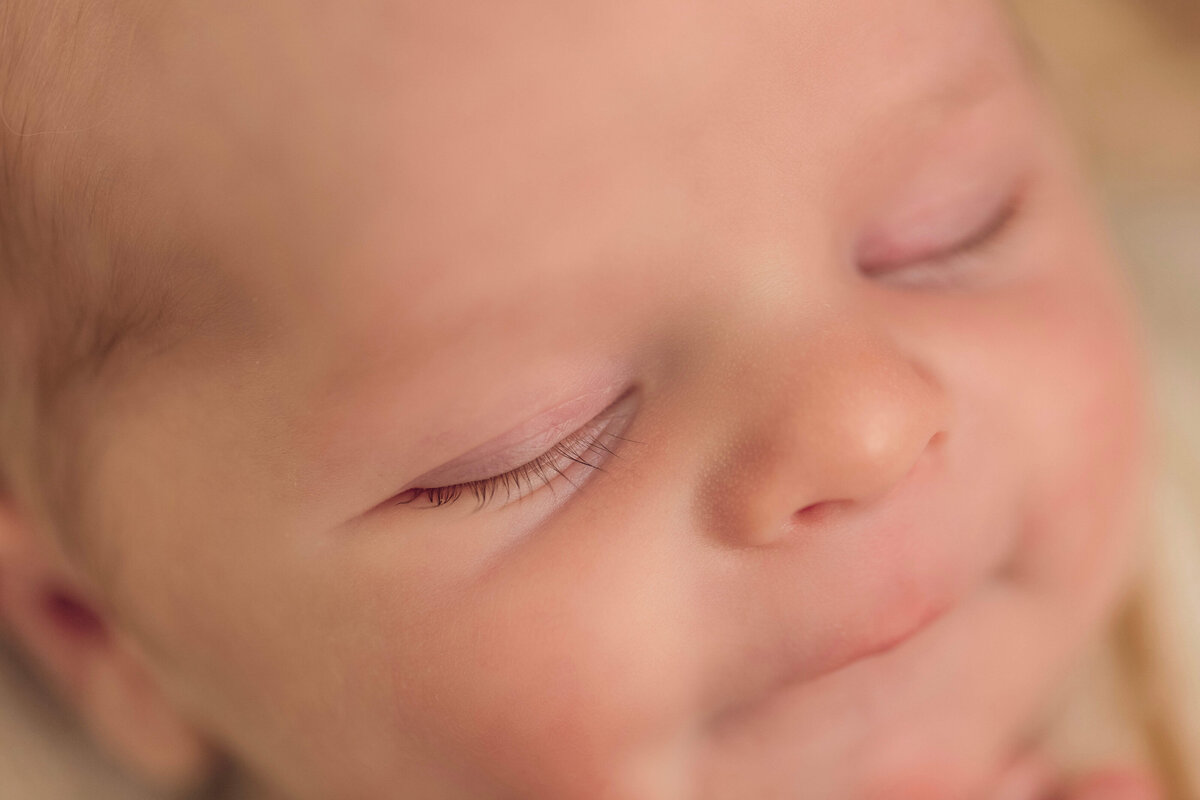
<point>421,228</point>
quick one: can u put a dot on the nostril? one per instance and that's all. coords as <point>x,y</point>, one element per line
<point>818,511</point>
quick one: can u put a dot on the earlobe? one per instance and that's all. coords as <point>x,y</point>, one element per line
<point>128,712</point>
<point>84,655</point>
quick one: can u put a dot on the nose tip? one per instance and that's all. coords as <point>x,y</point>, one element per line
<point>822,509</point>
<point>844,436</point>
<point>871,443</point>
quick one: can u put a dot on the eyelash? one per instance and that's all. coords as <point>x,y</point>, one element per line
<point>537,473</point>
<point>988,233</point>
<point>942,262</point>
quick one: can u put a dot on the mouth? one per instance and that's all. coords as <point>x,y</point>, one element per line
<point>889,643</point>
<point>984,667</point>
<point>869,647</point>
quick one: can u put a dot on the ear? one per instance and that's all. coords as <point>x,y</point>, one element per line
<point>46,605</point>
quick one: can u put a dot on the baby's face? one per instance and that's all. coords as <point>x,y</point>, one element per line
<point>809,286</point>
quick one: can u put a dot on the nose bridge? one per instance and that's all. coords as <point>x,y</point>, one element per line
<point>841,420</point>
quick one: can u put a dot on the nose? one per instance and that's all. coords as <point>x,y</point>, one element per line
<point>837,425</point>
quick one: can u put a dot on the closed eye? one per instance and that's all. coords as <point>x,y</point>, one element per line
<point>570,459</point>
<point>989,231</point>
<point>925,253</point>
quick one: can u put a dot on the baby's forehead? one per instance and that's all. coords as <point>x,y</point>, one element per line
<point>299,158</point>
<point>279,127</point>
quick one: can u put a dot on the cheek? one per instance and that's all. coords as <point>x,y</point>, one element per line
<point>562,669</point>
<point>1097,460</point>
<point>1082,419</point>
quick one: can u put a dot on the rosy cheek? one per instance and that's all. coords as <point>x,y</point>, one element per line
<point>555,671</point>
<point>1089,425</point>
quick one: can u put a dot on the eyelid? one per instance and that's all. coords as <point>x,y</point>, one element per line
<point>978,236</point>
<point>532,438</point>
<point>929,232</point>
<point>570,451</point>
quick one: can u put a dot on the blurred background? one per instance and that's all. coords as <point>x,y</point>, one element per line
<point>1127,74</point>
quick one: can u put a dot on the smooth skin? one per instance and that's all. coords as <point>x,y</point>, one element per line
<point>876,466</point>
